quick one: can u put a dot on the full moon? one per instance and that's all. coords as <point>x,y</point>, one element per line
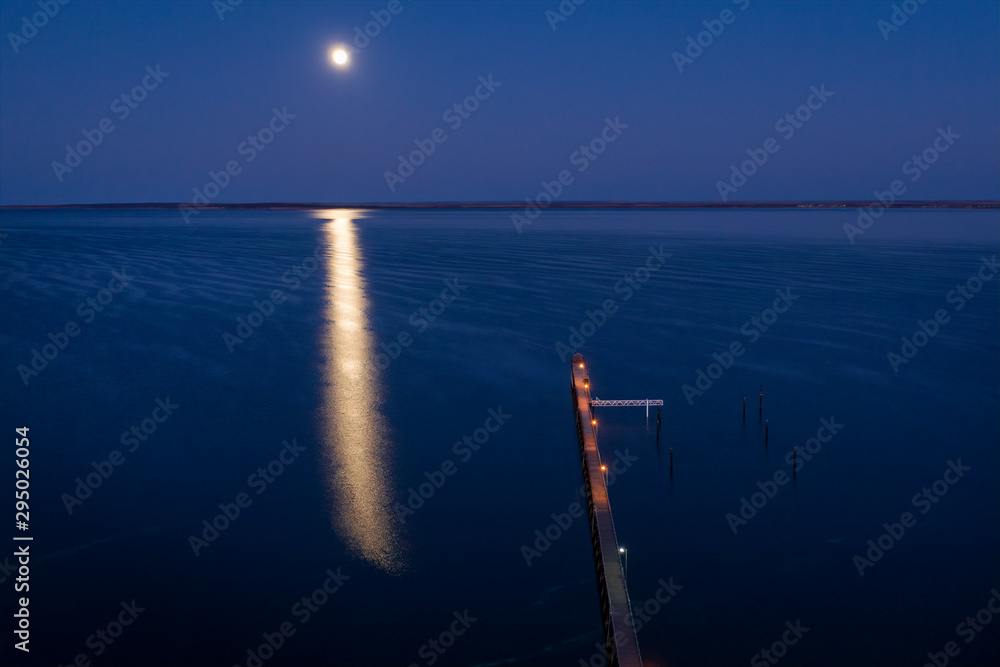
<point>339,56</point>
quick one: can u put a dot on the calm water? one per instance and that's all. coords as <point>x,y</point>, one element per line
<point>364,435</point>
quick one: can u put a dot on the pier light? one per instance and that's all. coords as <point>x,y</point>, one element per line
<point>339,56</point>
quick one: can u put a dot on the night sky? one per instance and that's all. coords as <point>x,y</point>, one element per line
<point>221,75</point>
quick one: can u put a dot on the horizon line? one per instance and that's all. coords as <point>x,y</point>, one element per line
<point>981,204</point>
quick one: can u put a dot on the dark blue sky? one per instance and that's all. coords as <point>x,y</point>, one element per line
<point>940,69</point>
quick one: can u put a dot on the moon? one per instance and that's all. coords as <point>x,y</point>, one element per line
<point>339,56</point>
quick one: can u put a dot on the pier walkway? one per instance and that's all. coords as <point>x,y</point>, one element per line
<point>616,613</point>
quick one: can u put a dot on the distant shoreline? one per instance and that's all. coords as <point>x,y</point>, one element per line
<point>450,206</point>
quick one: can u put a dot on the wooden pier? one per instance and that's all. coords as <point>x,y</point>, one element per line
<point>616,612</point>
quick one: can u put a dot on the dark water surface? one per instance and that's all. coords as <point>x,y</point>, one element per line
<point>362,439</point>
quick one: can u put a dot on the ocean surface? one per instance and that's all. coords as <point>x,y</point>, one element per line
<point>232,364</point>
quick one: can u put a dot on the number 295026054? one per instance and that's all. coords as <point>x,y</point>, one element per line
<point>21,478</point>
